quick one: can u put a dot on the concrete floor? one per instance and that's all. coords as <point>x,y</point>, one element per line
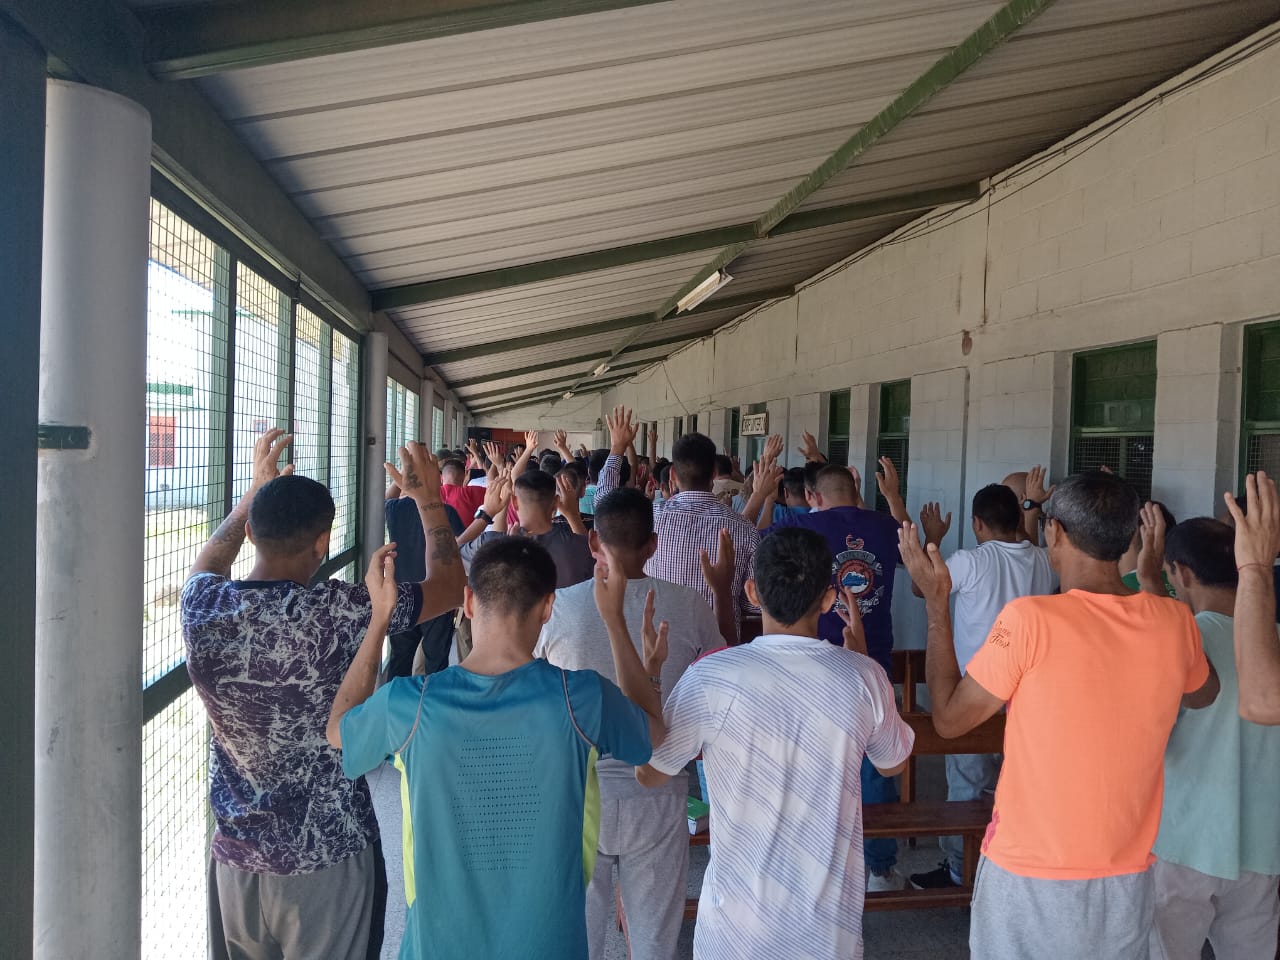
<point>907,935</point>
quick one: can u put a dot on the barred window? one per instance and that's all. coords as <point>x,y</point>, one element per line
<point>1113,412</point>
<point>894,439</point>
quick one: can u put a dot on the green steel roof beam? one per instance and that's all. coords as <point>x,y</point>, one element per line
<point>524,400</point>
<point>589,330</point>
<point>620,368</point>
<point>536,368</point>
<point>194,41</point>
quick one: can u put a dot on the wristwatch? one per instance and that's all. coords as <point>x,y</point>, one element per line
<point>1029,504</point>
<point>481,515</point>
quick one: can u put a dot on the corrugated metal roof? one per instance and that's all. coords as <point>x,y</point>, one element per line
<point>485,151</point>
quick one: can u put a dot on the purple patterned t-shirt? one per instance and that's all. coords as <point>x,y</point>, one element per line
<point>267,660</point>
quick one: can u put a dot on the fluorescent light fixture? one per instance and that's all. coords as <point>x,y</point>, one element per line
<point>603,368</point>
<point>568,394</point>
<point>703,290</point>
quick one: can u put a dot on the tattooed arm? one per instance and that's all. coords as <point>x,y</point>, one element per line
<point>223,547</point>
<point>442,590</point>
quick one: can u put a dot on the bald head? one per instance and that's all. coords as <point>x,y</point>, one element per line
<point>836,487</point>
<point>1017,482</point>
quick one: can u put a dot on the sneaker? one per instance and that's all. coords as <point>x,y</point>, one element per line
<point>938,879</point>
<point>893,880</point>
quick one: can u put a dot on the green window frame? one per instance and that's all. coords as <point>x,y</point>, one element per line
<point>838,427</point>
<point>894,437</point>
<point>735,432</point>
<point>1260,401</point>
<point>1113,412</point>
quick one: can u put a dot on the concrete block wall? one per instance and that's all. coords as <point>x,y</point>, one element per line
<point>1160,222</point>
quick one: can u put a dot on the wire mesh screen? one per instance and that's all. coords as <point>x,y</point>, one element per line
<point>1127,455</point>
<point>175,831</point>
<point>347,573</point>
<point>437,428</point>
<point>344,441</point>
<point>261,385</point>
<point>897,449</point>
<point>310,427</point>
<point>411,422</point>
<point>838,428</point>
<point>1262,452</point>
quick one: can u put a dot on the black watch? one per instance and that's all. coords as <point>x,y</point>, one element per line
<point>1029,504</point>
<point>481,515</point>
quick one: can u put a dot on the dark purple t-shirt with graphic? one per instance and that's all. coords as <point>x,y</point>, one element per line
<point>266,659</point>
<point>864,548</point>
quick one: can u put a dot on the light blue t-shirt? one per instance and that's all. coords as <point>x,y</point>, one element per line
<point>500,805</point>
<point>1221,778</point>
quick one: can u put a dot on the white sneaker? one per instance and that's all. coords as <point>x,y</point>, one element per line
<point>894,881</point>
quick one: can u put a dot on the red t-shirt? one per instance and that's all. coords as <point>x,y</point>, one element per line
<point>466,500</point>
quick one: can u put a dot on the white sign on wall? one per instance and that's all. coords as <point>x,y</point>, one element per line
<point>754,425</point>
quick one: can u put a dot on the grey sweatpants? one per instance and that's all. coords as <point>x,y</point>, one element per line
<point>647,838</point>
<point>1238,917</point>
<point>1027,918</point>
<point>327,914</point>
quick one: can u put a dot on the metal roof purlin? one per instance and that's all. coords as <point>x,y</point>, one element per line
<point>577,333</point>
<point>620,368</point>
<point>185,42</point>
<point>955,62</point>
<point>520,401</point>
<point>428,291</point>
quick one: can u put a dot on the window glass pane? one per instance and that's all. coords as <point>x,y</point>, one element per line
<point>437,428</point>
<point>344,442</point>
<point>311,396</point>
<point>261,392</point>
<point>895,428</point>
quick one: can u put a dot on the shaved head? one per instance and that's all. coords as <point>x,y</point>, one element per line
<point>1017,482</point>
<point>835,484</point>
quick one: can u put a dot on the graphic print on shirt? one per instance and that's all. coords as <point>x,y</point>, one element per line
<point>859,572</point>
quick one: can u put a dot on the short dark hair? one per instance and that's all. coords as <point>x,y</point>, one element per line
<point>793,481</point>
<point>443,454</point>
<point>835,481</point>
<point>595,463</point>
<point>792,571</point>
<point>550,462</point>
<point>624,519</point>
<point>811,471</point>
<point>453,463</point>
<point>289,513</point>
<point>661,474</point>
<point>1097,511</point>
<point>997,506</point>
<point>512,575</point>
<point>536,486</point>
<point>1207,548</point>
<point>694,460</point>
<point>575,469</point>
<point>724,465</point>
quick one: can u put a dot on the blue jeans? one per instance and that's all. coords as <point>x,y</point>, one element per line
<point>881,855</point>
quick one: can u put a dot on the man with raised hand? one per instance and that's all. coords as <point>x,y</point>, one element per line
<point>497,756</point>
<point>1094,678</point>
<point>1257,542</point>
<point>691,520</point>
<point>783,724</point>
<point>643,833</point>
<point>296,867</point>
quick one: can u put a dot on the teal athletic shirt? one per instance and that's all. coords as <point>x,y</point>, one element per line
<point>500,807</point>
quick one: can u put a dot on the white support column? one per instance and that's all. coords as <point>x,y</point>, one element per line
<point>373,534</point>
<point>449,440</point>
<point>90,522</point>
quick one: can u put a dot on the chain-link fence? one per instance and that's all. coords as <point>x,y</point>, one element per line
<point>230,353</point>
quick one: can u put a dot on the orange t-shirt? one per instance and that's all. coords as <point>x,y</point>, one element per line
<point>1094,683</point>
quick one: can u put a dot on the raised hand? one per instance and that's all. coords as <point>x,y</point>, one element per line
<point>1257,526</point>
<point>266,457</point>
<point>493,451</point>
<point>497,494</point>
<point>773,448</point>
<point>1151,553</point>
<point>419,473</point>
<point>857,486</point>
<point>809,448</point>
<point>927,569</point>
<point>932,523</point>
<point>380,578</point>
<point>1035,488</point>
<point>887,479</point>
<point>560,440</point>
<point>719,575</point>
<point>530,439</point>
<point>622,431</point>
<point>567,501</point>
<point>855,634</point>
<point>610,590</point>
<point>653,641</point>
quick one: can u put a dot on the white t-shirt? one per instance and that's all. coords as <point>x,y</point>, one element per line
<point>575,638</point>
<point>987,577</point>
<point>782,724</point>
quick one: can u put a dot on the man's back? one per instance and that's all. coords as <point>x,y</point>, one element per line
<point>569,550</point>
<point>1094,683</point>
<point>986,578</point>
<point>496,772</point>
<point>783,724</point>
<point>690,522</point>
<point>267,660</point>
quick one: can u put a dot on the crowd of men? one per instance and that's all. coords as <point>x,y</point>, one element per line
<point>594,604</point>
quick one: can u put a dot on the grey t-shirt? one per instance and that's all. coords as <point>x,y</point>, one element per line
<point>575,639</point>
<point>569,550</point>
